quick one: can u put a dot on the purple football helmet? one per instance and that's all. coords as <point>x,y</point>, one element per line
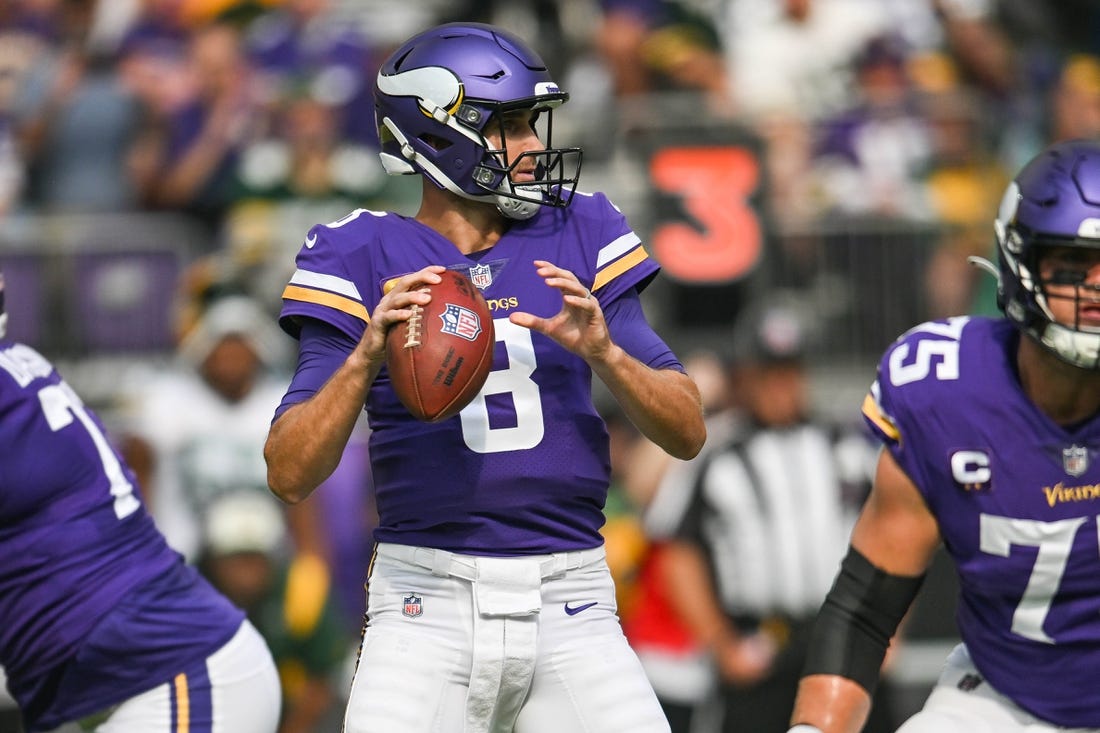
<point>436,93</point>
<point>3,313</point>
<point>1054,201</point>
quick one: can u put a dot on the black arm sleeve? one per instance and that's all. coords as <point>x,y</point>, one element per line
<point>860,614</point>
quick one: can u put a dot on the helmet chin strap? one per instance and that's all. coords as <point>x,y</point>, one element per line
<point>522,208</point>
<point>1077,348</point>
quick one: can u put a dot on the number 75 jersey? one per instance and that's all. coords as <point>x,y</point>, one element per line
<point>1017,499</point>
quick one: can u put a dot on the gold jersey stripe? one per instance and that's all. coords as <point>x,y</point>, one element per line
<point>612,271</point>
<point>870,409</point>
<point>183,705</point>
<point>320,297</point>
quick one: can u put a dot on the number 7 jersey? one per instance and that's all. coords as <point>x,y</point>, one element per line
<point>524,468</point>
<point>80,557</point>
<point>1017,499</point>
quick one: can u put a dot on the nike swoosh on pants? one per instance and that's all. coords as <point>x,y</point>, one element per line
<point>574,610</point>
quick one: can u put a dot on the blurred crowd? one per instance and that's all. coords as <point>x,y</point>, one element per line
<point>251,119</point>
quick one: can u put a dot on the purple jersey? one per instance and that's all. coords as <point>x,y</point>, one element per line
<point>524,468</point>
<point>94,606</point>
<point>1016,497</point>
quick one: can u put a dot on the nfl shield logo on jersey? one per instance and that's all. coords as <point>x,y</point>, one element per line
<point>1075,459</point>
<point>412,606</point>
<point>481,276</point>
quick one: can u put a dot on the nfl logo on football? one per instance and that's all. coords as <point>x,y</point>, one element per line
<point>1075,459</point>
<point>460,321</point>
<point>412,606</point>
<point>481,276</point>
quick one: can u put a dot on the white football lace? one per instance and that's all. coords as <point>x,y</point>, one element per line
<point>412,334</point>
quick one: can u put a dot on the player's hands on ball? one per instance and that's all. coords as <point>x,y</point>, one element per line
<point>579,326</point>
<point>440,358</point>
<point>395,307</point>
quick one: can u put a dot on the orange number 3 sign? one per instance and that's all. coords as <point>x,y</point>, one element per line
<point>716,185</point>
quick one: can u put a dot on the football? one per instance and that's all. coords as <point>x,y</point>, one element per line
<point>439,359</point>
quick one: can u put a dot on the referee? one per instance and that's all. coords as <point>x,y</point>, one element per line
<point>758,526</point>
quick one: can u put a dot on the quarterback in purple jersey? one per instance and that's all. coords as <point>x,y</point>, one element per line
<point>992,446</point>
<point>490,604</point>
<point>99,620</point>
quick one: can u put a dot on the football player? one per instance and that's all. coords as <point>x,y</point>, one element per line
<point>490,604</point>
<point>99,620</point>
<point>991,430</point>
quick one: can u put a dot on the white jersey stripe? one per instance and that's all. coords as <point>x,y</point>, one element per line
<point>617,248</point>
<point>339,285</point>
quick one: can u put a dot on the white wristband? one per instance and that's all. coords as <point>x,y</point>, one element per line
<point>805,728</point>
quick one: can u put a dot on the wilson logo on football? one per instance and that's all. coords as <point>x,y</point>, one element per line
<point>459,321</point>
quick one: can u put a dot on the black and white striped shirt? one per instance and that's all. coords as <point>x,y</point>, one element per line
<point>772,510</point>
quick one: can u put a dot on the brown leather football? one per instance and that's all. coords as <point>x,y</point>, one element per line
<point>439,359</point>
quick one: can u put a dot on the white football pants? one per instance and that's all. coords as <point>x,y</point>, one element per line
<point>461,644</point>
<point>977,709</point>
<point>238,692</point>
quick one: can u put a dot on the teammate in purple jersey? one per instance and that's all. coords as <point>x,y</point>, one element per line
<point>992,446</point>
<point>490,604</point>
<point>99,620</point>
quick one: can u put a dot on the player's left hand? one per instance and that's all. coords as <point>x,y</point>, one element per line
<point>579,326</point>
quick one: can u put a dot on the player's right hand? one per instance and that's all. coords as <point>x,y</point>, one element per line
<point>394,307</point>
